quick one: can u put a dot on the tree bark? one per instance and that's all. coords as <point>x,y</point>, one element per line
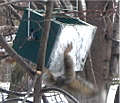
<point>115,49</point>
<point>15,56</point>
<point>101,47</point>
<point>42,51</point>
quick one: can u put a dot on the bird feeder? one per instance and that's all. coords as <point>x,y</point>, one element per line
<point>63,31</point>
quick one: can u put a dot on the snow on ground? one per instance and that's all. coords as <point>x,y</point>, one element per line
<point>51,97</point>
<point>111,93</point>
<point>4,85</point>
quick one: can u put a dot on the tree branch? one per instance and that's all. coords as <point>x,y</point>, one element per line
<point>16,57</point>
<point>30,89</point>
<point>18,7</point>
<point>114,60</point>
<point>15,99</point>
<point>111,38</point>
<point>14,93</point>
<point>16,1</point>
<point>42,50</point>
<point>22,8</point>
<point>13,11</point>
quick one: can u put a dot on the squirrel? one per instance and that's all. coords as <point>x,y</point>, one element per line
<point>67,81</point>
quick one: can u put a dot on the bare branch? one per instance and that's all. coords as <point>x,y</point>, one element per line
<point>18,7</point>
<point>114,60</point>
<point>14,93</point>
<point>15,99</point>
<point>18,59</point>
<point>42,49</point>
<point>21,8</point>
<point>110,38</point>
<point>39,5</point>
<point>92,70</point>
<point>14,1</point>
<point>33,6</point>
<point>14,12</point>
<point>30,89</point>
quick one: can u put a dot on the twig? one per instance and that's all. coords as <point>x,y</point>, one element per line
<point>110,38</point>
<point>14,93</point>
<point>19,8</point>
<point>14,12</point>
<point>91,64</point>
<point>16,1</point>
<point>16,57</point>
<point>30,89</point>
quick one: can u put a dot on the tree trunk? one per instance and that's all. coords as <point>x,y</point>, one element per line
<point>42,51</point>
<point>101,47</point>
<point>114,60</point>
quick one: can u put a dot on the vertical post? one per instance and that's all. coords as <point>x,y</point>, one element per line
<point>77,7</point>
<point>42,50</point>
<point>28,20</point>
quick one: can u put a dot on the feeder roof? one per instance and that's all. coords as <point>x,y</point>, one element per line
<point>63,19</point>
<point>69,20</point>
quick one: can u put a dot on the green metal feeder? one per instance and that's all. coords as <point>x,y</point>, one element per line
<point>62,31</point>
